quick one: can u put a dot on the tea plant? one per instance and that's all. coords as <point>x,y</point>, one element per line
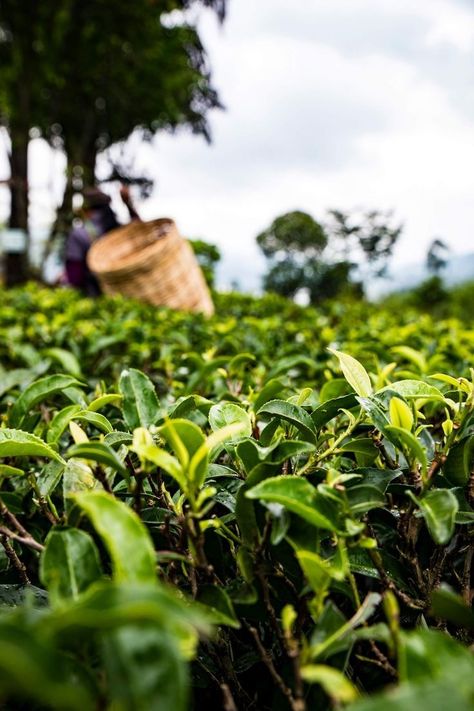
<point>271,509</point>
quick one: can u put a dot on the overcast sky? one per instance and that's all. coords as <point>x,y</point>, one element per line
<point>329,104</point>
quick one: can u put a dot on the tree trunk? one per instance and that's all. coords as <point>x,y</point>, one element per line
<point>16,262</point>
<point>88,165</point>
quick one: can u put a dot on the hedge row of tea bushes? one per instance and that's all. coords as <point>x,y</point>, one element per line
<point>270,509</point>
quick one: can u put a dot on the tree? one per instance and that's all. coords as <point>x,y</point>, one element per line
<point>208,256</point>
<point>437,256</point>
<point>88,73</point>
<point>305,254</point>
<point>295,234</point>
<point>293,244</point>
<point>367,238</point>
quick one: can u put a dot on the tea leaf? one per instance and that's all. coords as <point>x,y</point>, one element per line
<point>354,372</point>
<point>124,535</point>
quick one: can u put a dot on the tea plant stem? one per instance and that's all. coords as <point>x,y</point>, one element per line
<point>228,700</point>
<point>467,592</point>
<point>229,703</point>
<point>100,476</point>
<point>267,660</point>
<point>11,519</point>
<point>355,592</point>
<point>15,561</point>
<point>436,465</point>
<point>376,662</point>
<point>293,651</point>
<point>390,585</point>
<point>22,535</point>
<point>333,447</point>
<point>226,664</point>
<point>383,661</point>
<point>24,540</point>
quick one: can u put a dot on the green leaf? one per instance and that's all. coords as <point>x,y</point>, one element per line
<point>198,466</point>
<point>220,604</point>
<point>96,419</point>
<point>78,476</point>
<point>226,413</point>
<point>66,359</point>
<point>294,414</point>
<point>117,439</point>
<point>32,669</point>
<point>50,477</point>
<point>69,563</point>
<point>108,605</point>
<point>376,414</point>
<point>184,437</point>
<point>16,443</point>
<point>104,400</point>
<point>360,445</point>
<point>6,471</point>
<point>447,605</point>
<point>148,451</point>
<point>334,683</point>
<point>331,408</point>
<point>316,569</point>
<point>363,498</point>
<point>439,509</point>
<point>13,378</point>
<point>97,452</point>
<point>271,388</point>
<point>60,421</point>
<point>429,696</point>
<point>354,372</point>
<point>145,669</point>
<point>412,356</point>
<point>125,537</point>
<point>297,495</point>
<point>414,389</point>
<point>400,414</point>
<point>365,611</point>
<point>39,391</point>
<point>140,403</point>
<point>402,438</point>
<point>426,655</point>
<point>460,461</point>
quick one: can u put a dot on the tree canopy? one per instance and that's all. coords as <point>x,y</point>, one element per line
<point>88,73</point>
<point>322,257</point>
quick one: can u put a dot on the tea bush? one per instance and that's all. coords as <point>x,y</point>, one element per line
<point>269,509</point>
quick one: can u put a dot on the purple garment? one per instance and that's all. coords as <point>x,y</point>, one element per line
<point>78,244</point>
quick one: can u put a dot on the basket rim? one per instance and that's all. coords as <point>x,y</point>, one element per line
<point>139,257</point>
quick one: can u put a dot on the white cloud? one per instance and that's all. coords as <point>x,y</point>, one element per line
<point>310,125</point>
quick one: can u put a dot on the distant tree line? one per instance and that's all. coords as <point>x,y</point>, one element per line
<point>327,258</point>
<point>340,255</point>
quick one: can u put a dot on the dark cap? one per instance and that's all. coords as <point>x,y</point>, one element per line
<point>93,198</point>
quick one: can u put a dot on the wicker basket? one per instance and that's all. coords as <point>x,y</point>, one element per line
<point>150,261</point>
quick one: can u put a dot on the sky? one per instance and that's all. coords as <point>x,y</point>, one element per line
<point>348,104</point>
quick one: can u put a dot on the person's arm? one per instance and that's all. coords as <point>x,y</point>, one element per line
<point>127,201</point>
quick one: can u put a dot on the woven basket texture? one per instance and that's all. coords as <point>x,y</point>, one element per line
<point>150,261</point>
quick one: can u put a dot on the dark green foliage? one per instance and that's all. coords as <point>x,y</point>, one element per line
<point>436,258</point>
<point>86,73</point>
<point>293,234</point>
<point>269,509</point>
<point>322,259</point>
<point>434,297</point>
<point>208,256</point>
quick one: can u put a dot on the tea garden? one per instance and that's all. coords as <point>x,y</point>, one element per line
<point>268,509</point>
